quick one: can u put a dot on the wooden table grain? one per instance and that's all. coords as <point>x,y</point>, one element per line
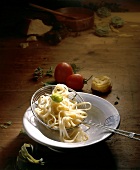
<point>117,56</point>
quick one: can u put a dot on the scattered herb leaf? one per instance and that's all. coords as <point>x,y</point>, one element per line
<point>49,83</point>
<point>49,72</point>
<point>38,73</point>
<point>75,68</point>
<point>22,131</point>
<point>115,103</point>
<point>8,123</point>
<point>118,98</point>
<point>5,125</point>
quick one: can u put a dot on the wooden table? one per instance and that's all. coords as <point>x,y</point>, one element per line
<point>117,56</point>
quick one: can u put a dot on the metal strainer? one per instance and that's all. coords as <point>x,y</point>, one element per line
<point>47,90</point>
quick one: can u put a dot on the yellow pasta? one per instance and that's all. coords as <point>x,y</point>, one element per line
<point>62,113</point>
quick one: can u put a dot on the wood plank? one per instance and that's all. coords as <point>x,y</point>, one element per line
<point>115,56</point>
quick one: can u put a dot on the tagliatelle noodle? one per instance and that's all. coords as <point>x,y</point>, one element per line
<point>64,116</point>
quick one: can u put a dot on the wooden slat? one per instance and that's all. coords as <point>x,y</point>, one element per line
<point>115,56</point>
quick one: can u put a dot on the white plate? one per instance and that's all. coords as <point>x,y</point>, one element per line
<point>102,112</point>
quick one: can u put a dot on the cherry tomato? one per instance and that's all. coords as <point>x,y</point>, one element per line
<point>62,71</point>
<point>75,81</point>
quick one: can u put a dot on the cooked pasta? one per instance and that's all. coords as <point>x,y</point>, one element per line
<point>61,113</point>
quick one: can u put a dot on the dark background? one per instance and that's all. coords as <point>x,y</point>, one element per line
<point>13,12</point>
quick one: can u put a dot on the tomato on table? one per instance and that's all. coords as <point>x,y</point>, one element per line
<point>75,81</point>
<point>62,71</point>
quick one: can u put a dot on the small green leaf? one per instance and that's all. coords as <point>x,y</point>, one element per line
<point>49,72</point>
<point>8,123</point>
<point>57,97</point>
<point>75,68</point>
<point>115,103</point>
<point>38,73</point>
<point>3,126</point>
<point>49,83</point>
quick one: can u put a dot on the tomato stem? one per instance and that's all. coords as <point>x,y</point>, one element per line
<point>86,80</point>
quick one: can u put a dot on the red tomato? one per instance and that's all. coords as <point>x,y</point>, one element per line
<point>75,81</point>
<point>62,71</point>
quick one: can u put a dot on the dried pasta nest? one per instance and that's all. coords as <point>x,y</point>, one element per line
<point>103,12</point>
<point>117,22</point>
<point>101,84</point>
<point>102,30</point>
